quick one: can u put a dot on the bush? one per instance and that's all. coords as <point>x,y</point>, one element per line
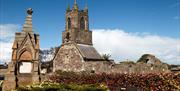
<point>1,83</point>
<point>47,86</point>
<point>70,81</point>
<point>106,56</point>
<point>158,81</point>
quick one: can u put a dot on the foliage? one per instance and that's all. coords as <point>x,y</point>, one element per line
<point>47,86</point>
<point>1,83</point>
<point>127,62</point>
<point>106,56</point>
<point>154,82</point>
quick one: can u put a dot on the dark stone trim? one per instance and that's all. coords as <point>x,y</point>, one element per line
<point>90,59</point>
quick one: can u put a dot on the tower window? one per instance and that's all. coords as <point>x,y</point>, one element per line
<point>67,37</point>
<point>82,23</point>
<point>69,23</point>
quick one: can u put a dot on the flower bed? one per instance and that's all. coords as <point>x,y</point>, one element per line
<point>154,82</point>
<point>1,82</point>
<point>47,86</point>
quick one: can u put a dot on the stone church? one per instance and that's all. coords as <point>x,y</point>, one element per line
<point>77,52</point>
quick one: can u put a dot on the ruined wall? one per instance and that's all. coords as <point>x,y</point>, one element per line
<point>97,66</point>
<point>139,68</point>
<point>3,69</point>
<point>122,68</point>
<point>70,59</point>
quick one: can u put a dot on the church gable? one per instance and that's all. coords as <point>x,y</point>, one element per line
<point>68,58</point>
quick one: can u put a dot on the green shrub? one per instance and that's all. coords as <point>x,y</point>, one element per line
<point>106,56</point>
<point>46,86</point>
<point>1,82</point>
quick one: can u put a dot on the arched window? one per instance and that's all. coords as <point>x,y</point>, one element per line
<point>82,23</point>
<point>67,37</point>
<point>69,23</point>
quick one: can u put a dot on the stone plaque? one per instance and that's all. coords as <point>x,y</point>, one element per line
<point>25,67</point>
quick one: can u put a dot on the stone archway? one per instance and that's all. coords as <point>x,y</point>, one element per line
<point>26,55</point>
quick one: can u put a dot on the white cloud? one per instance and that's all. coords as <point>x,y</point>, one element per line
<point>122,45</point>
<point>7,33</point>
<point>176,17</point>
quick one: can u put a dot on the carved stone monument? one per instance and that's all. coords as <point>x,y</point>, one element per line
<point>24,68</point>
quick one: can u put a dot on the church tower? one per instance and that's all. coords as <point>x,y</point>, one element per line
<point>24,67</point>
<point>77,26</point>
<point>77,52</point>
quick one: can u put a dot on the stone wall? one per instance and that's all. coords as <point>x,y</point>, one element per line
<point>97,66</point>
<point>3,72</point>
<point>68,58</point>
<point>139,68</point>
<point>77,36</point>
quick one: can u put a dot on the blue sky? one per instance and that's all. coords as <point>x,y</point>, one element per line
<point>135,17</point>
<point>159,17</point>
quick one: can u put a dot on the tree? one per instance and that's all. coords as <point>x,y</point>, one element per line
<point>106,56</point>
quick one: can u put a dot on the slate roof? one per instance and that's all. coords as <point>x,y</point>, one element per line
<point>89,52</point>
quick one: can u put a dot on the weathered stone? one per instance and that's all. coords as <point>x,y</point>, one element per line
<point>77,27</point>
<point>25,51</point>
<point>68,58</point>
<point>76,52</point>
<point>9,83</point>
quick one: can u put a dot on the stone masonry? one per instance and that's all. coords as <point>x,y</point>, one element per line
<point>77,52</point>
<point>25,53</point>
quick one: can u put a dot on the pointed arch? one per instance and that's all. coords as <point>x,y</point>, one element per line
<point>25,55</point>
<point>67,37</point>
<point>82,23</point>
